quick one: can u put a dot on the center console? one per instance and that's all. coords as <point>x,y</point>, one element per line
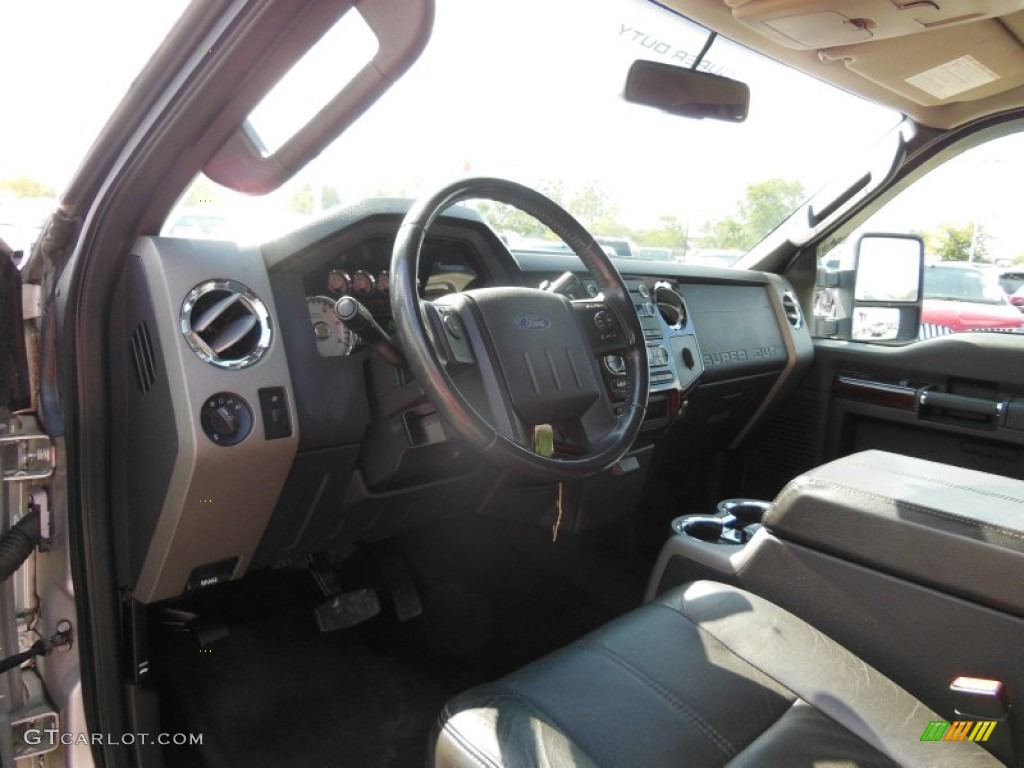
<point>914,566</point>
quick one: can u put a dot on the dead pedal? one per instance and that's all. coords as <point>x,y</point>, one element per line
<point>347,610</point>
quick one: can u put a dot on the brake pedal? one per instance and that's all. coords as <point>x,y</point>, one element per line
<point>347,610</point>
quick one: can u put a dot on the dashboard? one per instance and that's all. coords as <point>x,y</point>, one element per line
<point>260,429</point>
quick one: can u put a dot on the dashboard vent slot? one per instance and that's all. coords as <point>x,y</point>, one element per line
<point>143,360</point>
<point>225,324</point>
<point>792,309</point>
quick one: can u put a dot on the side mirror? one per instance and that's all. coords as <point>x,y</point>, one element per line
<point>887,292</point>
<point>880,298</point>
<point>686,92</point>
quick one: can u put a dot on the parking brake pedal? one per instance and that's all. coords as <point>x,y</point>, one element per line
<point>347,610</point>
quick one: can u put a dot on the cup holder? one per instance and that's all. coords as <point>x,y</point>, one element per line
<point>737,520</point>
<point>746,511</point>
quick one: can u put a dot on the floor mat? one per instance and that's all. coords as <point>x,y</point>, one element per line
<point>276,692</point>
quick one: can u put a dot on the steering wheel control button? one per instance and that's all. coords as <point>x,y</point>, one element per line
<point>615,365</point>
<point>452,324</point>
<point>605,333</point>
<point>604,320</point>
<point>226,418</point>
<point>277,422</point>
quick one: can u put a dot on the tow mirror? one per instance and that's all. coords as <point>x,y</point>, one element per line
<point>880,298</point>
<point>686,92</point>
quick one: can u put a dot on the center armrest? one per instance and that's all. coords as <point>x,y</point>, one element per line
<point>955,529</point>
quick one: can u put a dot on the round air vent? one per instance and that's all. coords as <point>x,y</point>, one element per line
<point>792,309</point>
<point>670,305</point>
<point>225,323</point>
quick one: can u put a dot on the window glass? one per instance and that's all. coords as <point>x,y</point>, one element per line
<point>969,217</point>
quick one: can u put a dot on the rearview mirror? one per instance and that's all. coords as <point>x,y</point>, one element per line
<point>686,92</point>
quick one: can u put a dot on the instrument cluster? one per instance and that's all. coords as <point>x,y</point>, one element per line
<point>361,283</point>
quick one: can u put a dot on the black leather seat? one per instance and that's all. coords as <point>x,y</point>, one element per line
<point>706,675</point>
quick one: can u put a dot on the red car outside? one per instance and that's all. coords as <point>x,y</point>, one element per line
<point>962,297</point>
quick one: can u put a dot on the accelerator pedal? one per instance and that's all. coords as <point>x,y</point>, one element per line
<point>347,609</point>
<point>401,588</point>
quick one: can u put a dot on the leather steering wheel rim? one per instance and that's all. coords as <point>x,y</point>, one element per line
<point>429,369</point>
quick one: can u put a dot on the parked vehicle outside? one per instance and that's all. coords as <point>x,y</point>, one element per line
<point>624,247</point>
<point>963,297</point>
<point>1017,298</point>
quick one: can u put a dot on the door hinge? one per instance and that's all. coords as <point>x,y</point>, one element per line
<point>36,455</point>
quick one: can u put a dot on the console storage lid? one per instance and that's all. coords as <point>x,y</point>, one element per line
<point>954,529</point>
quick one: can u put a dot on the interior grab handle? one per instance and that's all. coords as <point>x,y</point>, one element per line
<point>929,398</point>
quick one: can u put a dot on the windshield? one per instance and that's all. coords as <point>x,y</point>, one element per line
<point>531,91</point>
<point>962,284</point>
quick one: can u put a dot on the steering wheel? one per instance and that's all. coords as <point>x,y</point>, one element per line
<point>532,355</point>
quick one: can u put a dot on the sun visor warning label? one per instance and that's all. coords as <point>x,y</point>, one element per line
<point>953,78</point>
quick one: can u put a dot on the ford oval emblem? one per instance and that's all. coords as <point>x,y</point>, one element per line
<point>533,322</point>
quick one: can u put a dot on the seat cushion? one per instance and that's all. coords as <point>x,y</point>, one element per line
<point>707,675</point>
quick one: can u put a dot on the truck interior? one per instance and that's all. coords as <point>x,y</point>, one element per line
<point>390,487</point>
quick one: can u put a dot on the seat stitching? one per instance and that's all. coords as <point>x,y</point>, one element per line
<point>763,733</point>
<point>969,521</point>
<point>947,483</point>
<point>881,747</point>
<point>701,628</point>
<point>703,725</point>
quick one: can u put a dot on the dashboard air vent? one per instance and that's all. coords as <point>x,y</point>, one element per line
<point>143,360</point>
<point>792,309</point>
<point>225,323</point>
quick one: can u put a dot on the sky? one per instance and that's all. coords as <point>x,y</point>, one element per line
<point>534,95</point>
<point>66,65</point>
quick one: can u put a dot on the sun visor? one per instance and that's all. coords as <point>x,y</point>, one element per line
<point>959,64</point>
<point>816,24</point>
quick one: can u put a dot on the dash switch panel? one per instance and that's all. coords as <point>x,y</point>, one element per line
<point>277,422</point>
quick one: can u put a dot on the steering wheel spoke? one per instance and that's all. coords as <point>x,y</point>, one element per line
<point>448,333</point>
<point>601,326</point>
